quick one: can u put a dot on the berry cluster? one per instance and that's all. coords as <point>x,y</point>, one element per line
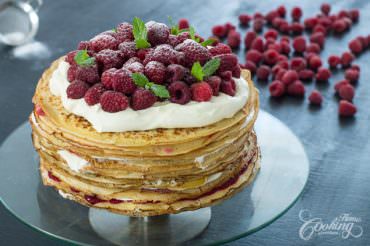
<point>287,56</point>
<point>138,64</point>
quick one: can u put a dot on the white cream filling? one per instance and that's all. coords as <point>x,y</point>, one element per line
<point>73,161</point>
<point>160,115</point>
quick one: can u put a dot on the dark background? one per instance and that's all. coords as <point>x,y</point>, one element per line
<point>338,149</point>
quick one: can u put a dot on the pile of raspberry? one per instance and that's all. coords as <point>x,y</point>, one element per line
<point>284,54</point>
<point>167,62</point>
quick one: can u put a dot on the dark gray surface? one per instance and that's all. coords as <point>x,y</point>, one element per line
<point>338,149</point>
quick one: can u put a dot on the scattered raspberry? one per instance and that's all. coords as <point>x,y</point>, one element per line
<point>155,71</point>
<point>228,62</point>
<point>233,39</point>
<point>313,48</point>
<point>339,26</point>
<point>346,59</point>
<point>355,67</point>
<point>258,24</point>
<point>270,57</point>
<point>229,27</point>
<point>249,38</point>
<point>306,74</point>
<point>183,23</point>
<point>346,92</point>
<point>179,92</point>
<point>277,88</point>
<point>251,66</point>
<point>314,62</point>
<point>284,27</point>
<point>283,64</point>
<point>352,75</point>
<point>128,49</point>
<point>296,13</point>
<point>244,19</point>
<point>298,63</point>
<point>125,30</point>
<point>282,58</point>
<point>77,89</point>
<point>220,49</point>
<point>310,23</point>
<point>263,72</point>
<point>257,44</point>
<point>277,22</point>
<point>102,42</point>
<point>228,87</point>
<point>333,61</point>
<point>315,97</point>
<point>219,31</point>
<point>281,11</point>
<point>280,74</point>
<point>201,92</point>
<point>88,74</point>
<point>71,73</point>
<point>175,72</point>
<point>323,74</point>
<point>296,89</point>
<point>271,33</point>
<point>318,38</point>
<point>325,8</point>
<point>258,15</point>
<point>193,52</point>
<point>346,108</point>
<point>107,59</point>
<point>297,28</point>
<point>112,101</point>
<point>157,33</point>
<point>285,48</point>
<point>289,77</point>
<point>364,42</point>
<point>94,93</point>
<point>354,14</point>
<point>339,84</point>
<point>348,22</point>
<point>165,54</point>
<point>319,28</point>
<point>355,46</point>
<point>142,99</point>
<point>343,14</point>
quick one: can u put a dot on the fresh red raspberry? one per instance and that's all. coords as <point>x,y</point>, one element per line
<point>254,55</point>
<point>251,66</point>
<point>84,45</point>
<point>281,11</point>
<point>339,26</point>
<point>346,108</point>
<point>277,88</point>
<point>125,30</point>
<point>258,44</point>
<point>275,69</point>
<point>325,21</point>
<point>271,33</point>
<point>343,13</point>
<point>88,74</point>
<point>226,75</point>
<point>118,79</point>
<point>228,62</point>
<point>93,94</point>
<point>175,72</point>
<point>297,28</point>
<point>131,61</point>
<point>298,63</point>
<point>318,38</point>
<point>296,89</point>
<point>236,71</point>
<point>142,99</point>
<point>313,48</point>
<point>296,13</point>
<point>228,87</point>
<point>284,64</point>
<point>280,74</point>
<point>107,59</point>
<point>77,89</point>
<point>263,72</point>
<point>102,42</point>
<point>319,28</point>
<point>354,14</point>
<point>183,23</point>
<point>284,27</point>
<point>289,77</point>
<point>355,67</point>
<point>355,46</point>
<point>157,33</point>
<point>135,67</point>
<point>71,73</point>
<point>323,74</point>
<point>244,19</point>
<point>363,41</point>
<point>346,92</point>
<point>220,49</point>
<point>306,74</point>
<point>193,52</point>
<point>333,61</point>
<point>285,48</point>
<point>142,53</point>
<point>175,40</point>
<point>352,75</point>
<point>258,15</point>
<point>107,78</point>
<point>179,92</point>
<point>233,39</point>
<point>219,31</point>
<point>282,57</point>
<point>128,49</point>
<point>268,42</point>
<point>249,38</point>
<point>70,57</point>
<point>229,26</point>
<point>215,83</point>
<point>348,22</point>
<point>277,22</point>
<point>339,84</point>
<point>347,58</point>
<point>314,62</point>
<point>165,54</point>
<point>270,16</point>
<point>310,23</point>
<point>315,97</point>
<point>112,101</point>
<point>325,8</point>
<point>155,71</point>
<point>270,57</point>
<point>258,24</point>
<point>299,44</point>
<point>201,92</point>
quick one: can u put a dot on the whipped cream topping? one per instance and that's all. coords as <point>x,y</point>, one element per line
<point>160,115</point>
<point>73,161</point>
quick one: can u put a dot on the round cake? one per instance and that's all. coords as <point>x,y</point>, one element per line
<point>146,119</point>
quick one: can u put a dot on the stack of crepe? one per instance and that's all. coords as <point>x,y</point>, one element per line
<point>144,173</point>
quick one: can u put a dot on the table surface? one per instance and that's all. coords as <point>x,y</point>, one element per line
<point>338,149</point>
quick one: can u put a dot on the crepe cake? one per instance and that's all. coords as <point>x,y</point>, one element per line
<point>145,120</point>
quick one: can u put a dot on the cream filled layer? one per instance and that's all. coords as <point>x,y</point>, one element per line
<point>160,115</point>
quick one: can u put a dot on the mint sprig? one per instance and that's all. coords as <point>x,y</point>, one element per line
<point>83,59</point>
<point>192,34</point>
<point>173,27</point>
<point>207,70</point>
<point>207,42</point>
<point>140,33</point>
<point>142,81</point>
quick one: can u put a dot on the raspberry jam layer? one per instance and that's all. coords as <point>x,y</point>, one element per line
<point>160,115</point>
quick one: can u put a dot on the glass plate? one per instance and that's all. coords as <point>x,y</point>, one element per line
<point>283,175</point>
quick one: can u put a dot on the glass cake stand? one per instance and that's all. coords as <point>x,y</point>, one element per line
<point>283,175</point>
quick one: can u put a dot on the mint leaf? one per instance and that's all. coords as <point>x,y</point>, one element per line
<point>139,79</point>
<point>142,44</point>
<point>211,66</point>
<point>140,33</point>
<point>114,30</point>
<point>174,27</point>
<point>160,91</point>
<point>207,42</point>
<point>197,71</point>
<point>192,32</point>
<point>83,59</point>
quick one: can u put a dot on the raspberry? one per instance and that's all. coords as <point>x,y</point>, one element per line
<point>220,49</point>
<point>298,63</point>
<point>125,30</point>
<point>142,99</point>
<point>325,8</point>
<point>306,74</point>
<point>325,22</point>
<point>363,41</point>
<point>319,28</point>
<point>289,77</point>
<point>257,44</point>
<point>70,58</point>
<point>226,75</point>
<point>118,79</point>
<point>284,64</point>
<point>233,39</point>
<point>165,54</point>
<point>84,45</point>
<point>346,108</point>
<point>277,22</point>
<point>270,57</point>
<point>201,92</point>
<point>271,33</point>
<point>258,24</point>
<point>215,83</point>
<point>244,19</point>
<point>102,42</point>
<point>174,40</point>
<point>135,67</point>
<point>285,47</point>
<point>310,23</point>
<point>155,71</point>
<point>296,13</point>
<point>228,62</point>
<point>179,92</point>
<point>219,31</point>
<point>141,53</point>
<point>355,46</point>
<point>88,74</point>
<point>183,23</point>
<point>254,56</point>
<point>275,69</point>
<point>284,27</point>
<point>131,61</point>
<point>318,38</point>
<point>77,89</point>
<point>339,84</point>
<point>314,62</point>
<point>268,42</point>
<point>333,61</point>
<point>258,15</point>
<point>270,16</point>
<point>339,26</point>
<point>39,111</point>
<point>277,88</point>
<point>346,92</point>
<point>355,67</point>
<point>93,94</point>
<point>229,26</point>
<point>112,101</point>
<point>281,11</point>
<point>249,38</point>
<point>280,74</point>
<point>296,89</point>
<point>297,28</point>
<point>228,87</point>
<point>157,33</point>
<point>315,97</point>
<point>323,74</point>
<point>251,66</point>
<point>343,14</point>
<point>299,44</point>
<point>348,22</point>
<point>346,59</point>
<point>236,72</point>
<point>215,40</point>
<point>71,73</point>
<point>352,75</point>
<point>188,78</point>
<point>175,72</point>
<point>354,14</point>
<point>128,49</point>
<point>263,72</point>
<point>193,52</point>
<point>313,48</point>
<point>107,59</point>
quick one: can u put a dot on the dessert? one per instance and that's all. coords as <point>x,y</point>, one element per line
<point>146,120</point>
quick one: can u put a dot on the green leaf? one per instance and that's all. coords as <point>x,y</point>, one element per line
<point>174,27</point>
<point>114,30</point>
<point>192,32</point>
<point>159,91</point>
<point>139,79</point>
<point>211,66</point>
<point>82,58</point>
<point>140,33</point>
<point>197,71</point>
<point>142,44</point>
<point>207,42</point>
<point>184,30</point>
